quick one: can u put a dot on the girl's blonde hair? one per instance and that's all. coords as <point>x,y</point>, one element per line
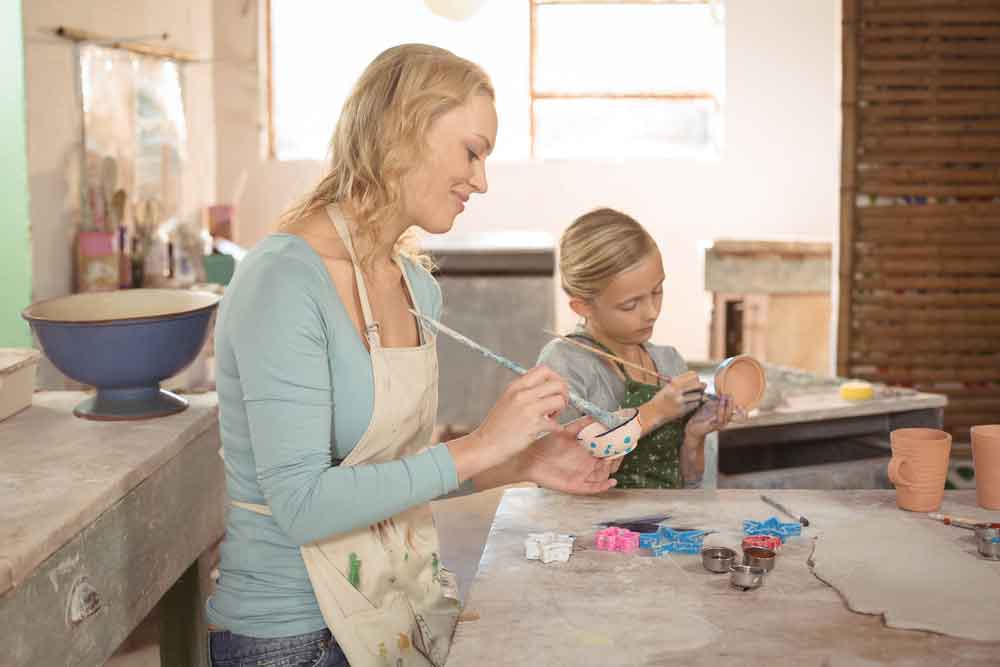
<point>382,129</point>
<point>597,247</point>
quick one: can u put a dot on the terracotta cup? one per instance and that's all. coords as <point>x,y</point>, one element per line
<point>986,459</point>
<point>919,466</point>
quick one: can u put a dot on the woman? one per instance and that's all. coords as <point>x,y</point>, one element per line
<point>328,392</point>
<point>612,273</point>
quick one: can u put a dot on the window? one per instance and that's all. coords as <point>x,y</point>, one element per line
<point>626,79</point>
<point>573,79</point>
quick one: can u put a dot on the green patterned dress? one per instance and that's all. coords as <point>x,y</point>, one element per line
<point>655,463</point>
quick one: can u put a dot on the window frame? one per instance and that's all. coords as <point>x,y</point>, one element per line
<point>534,94</point>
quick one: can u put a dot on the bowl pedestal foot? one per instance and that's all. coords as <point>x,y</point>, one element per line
<point>130,404</point>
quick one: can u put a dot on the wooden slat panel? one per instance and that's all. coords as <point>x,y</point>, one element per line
<point>925,250</point>
<point>924,300</point>
<point>929,156</point>
<point>877,31</point>
<point>928,283</point>
<point>865,314</point>
<point>910,142</point>
<point>944,211</point>
<point>985,392</point>
<point>949,361</point>
<point>923,280</point>
<point>850,47</point>
<point>889,96</point>
<point>929,175</point>
<point>931,49</point>
<point>907,377</point>
<point>939,236</point>
<point>930,265</point>
<point>988,13</point>
<point>940,68</point>
<point>925,330</point>
<point>919,190</point>
<point>907,5</point>
<point>978,346</point>
<point>952,110</point>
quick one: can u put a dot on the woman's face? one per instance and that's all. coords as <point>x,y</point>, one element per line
<point>454,165</point>
<point>626,310</point>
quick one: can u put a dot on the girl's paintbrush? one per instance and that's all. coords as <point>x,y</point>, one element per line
<point>604,354</point>
<point>683,379</point>
<point>583,405</point>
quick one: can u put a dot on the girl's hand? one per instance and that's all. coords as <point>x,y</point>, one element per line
<point>558,462</point>
<point>677,398</point>
<point>713,415</point>
<point>526,408</point>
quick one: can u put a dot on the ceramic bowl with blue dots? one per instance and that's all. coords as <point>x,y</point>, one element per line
<point>607,443</point>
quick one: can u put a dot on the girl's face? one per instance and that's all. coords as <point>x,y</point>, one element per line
<point>453,166</point>
<point>628,307</point>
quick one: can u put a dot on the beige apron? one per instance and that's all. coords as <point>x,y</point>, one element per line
<point>381,588</point>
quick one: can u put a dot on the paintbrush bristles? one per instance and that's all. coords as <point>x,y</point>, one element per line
<point>583,405</point>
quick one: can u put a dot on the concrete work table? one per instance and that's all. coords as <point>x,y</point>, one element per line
<point>99,523</point>
<point>812,417</point>
<point>605,608</point>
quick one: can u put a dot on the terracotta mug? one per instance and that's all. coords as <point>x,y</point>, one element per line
<point>986,460</point>
<point>918,467</point>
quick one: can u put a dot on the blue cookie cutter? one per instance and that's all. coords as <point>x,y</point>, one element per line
<point>772,526</point>
<point>667,540</point>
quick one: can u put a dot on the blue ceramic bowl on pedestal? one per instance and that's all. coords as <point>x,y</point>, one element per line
<point>124,343</point>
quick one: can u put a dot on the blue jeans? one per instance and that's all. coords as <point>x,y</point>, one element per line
<point>315,649</point>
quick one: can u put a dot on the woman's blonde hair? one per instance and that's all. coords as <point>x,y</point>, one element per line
<point>597,247</point>
<point>382,129</point>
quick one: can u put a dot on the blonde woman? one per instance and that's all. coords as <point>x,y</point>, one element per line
<point>328,392</point>
<point>613,274</point>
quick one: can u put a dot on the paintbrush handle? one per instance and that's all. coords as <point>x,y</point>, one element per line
<point>781,508</point>
<point>583,405</point>
<point>610,357</point>
<point>958,521</point>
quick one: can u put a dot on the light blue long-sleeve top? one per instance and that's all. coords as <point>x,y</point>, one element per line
<point>295,396</point>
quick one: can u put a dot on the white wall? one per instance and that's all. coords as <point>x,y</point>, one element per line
<point>777,179</point>
<point>54,118</point>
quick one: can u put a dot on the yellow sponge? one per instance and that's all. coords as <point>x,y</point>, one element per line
<point>856,391</point>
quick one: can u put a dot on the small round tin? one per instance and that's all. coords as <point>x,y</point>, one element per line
<point>759,557</point>
<point>718,559</point>
<point>746,577</point>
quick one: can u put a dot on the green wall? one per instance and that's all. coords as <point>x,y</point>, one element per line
<point>15,238</point>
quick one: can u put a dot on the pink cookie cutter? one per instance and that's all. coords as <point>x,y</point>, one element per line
<point>617,539</point>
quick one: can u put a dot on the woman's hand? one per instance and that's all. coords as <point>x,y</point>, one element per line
<point>525,410</point>
<point>558,462</point>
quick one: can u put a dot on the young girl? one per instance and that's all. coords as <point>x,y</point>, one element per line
<point>613,273</point>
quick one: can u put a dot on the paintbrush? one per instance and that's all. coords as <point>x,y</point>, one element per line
<point>610,357</point>
<point>957,521</point>
<point>583,405</point>
<point>682,379</point>
<point>781,508</point>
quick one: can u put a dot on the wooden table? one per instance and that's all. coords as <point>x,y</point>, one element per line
<point>99,523</point>
<point>605,608</point>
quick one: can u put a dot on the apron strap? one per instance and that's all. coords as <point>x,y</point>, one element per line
<point>253,507</point>
<point>371,326</point>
